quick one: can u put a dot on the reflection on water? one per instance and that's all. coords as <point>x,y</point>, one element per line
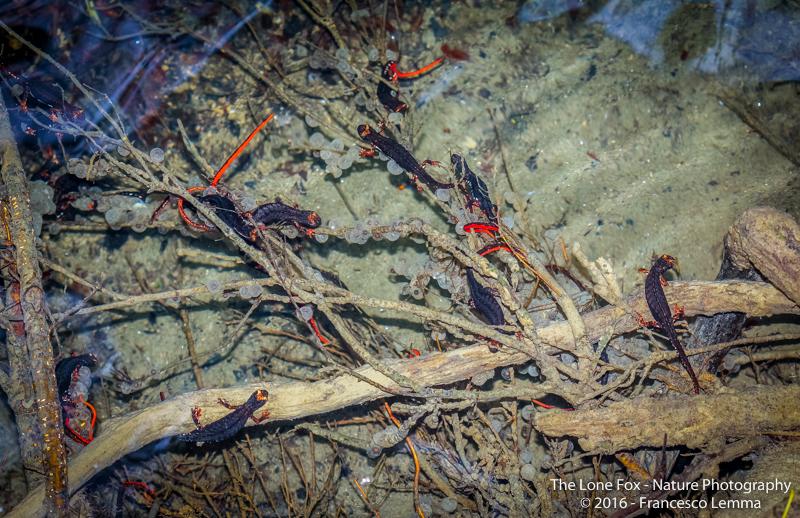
<point>741,37</point>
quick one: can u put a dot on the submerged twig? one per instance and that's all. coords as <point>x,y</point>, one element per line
<point>33,393</point>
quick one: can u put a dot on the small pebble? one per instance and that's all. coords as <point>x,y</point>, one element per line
<point>395,118</point>
<point>448,505</point>
<point>321,238</point>
<point>526,456</point>
<point>528,472</point>
<point>568,359</point>
<point>123,151</point>
<point>443,194</point>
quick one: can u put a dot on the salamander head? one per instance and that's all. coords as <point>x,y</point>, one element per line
<point>261,395</point>
<point>664,263</point>
<point>390,71</point>
<point>669,260</point>
<point>457,161</point>
<point>364,131</point>
<point>313,220</point>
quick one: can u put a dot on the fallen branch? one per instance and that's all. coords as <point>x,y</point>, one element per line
<point>691,421</point>
<point>32,386</point>
<point>290,401</point>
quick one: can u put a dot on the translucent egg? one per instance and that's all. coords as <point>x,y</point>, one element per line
<point>312,122</point>
<point>317,140</point>
<point>214,286</point>
<point>157,155</point>
<point>394,168</point>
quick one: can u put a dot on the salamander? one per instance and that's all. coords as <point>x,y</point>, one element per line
<point>278,213</point>
<point>394,150</point>
<point>484,301</point>
<point>230,424</point>
<point>67,366</point>
<point>659,308</point>
<point>388,96</point>
<point>474,188</point>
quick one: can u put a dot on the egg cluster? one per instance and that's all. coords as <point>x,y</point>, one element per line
<point>125,211</point>
<point>332,152</point>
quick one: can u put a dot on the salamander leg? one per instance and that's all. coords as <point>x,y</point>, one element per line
<point>196,413</point>
<point>646,323</point>
<point>227,405</point>
<point>263,417</point>
<point>678,312</point>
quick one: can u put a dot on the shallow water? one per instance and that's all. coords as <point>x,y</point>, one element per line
<point>630,129</point>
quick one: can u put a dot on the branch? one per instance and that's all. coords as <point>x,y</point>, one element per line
<point>692,421</point>
<point>33,379</point>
